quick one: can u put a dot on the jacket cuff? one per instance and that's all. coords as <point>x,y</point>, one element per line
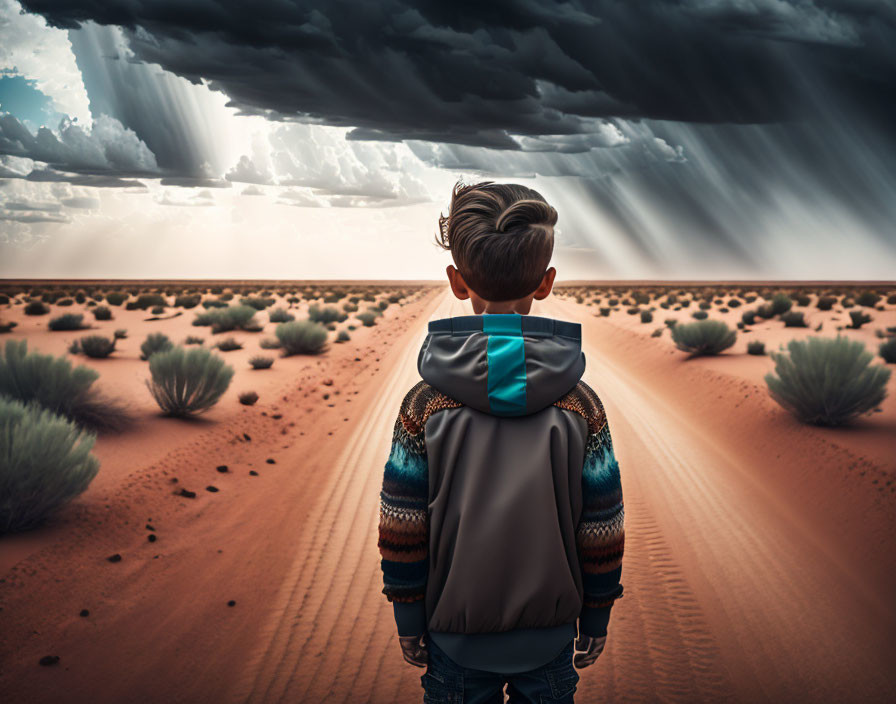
<point>593,621</point>
<point>410,617</point>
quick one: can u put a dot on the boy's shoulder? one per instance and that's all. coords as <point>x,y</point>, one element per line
<point>582,399</point>
<point>423,400</point>
<point>420,403</point>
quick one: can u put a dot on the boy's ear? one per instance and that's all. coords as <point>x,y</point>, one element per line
<point>458,286</point>
<point>547,283</point>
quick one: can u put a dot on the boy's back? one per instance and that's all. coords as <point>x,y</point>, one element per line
<point>501,523</point>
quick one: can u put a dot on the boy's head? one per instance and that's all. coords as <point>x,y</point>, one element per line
<point>501,237</point>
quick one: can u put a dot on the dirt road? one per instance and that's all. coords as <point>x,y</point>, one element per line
<point>728,595</point>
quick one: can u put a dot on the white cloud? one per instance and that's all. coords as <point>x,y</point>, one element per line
<point>246,171</point>
<point>35,51</point>
<point>109,146</point>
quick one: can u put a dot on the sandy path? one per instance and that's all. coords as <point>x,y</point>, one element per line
<point>729,595</point>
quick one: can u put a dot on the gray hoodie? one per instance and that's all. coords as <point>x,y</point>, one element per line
<point>504,588</point>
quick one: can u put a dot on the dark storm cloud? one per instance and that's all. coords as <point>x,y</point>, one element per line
<point>470,72</point>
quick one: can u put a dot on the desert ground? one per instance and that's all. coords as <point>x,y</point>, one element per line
<point>760,562</point>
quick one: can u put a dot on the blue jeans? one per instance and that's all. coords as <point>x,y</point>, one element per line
<point>446,682</point>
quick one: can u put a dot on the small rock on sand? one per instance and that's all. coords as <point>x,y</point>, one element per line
<point>253,472</point>
<point>221,468</point>
<point>114,558</point>
<point>85,613</point>
<point>151,537</point>
<point>49,660</point>
<point>187,493</point>
<point>270,460</point>
<point>211,488</point>
<point>231,603</point>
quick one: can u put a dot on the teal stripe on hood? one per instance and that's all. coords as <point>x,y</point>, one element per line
<point>504,364</point>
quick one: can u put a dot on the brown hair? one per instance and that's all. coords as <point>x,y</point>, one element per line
<point>501,237</point>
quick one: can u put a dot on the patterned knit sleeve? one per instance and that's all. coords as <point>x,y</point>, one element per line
<point>404,525</point>
<point>600,535</point>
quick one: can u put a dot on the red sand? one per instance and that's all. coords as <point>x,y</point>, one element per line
<point>759,557</point>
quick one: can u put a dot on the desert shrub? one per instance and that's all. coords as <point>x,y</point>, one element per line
<point>45,462</point>
<point>803,300</point>
<point>229,344</point>
<point>270,343</point>
<point>367,318</point>
<point>705,305</point>
<point>6,327</point>
<point>825,302</point>
<point>280,315</point>
<point>765,311</point>
<point>67,321</point>
<point>102,313</point>
<point>349,307</point>
<point>748,317</point>
<point>234,318</point>
<point>734,302</point>
<point>36,308</point>
<point>755,347</point>
<point>157,310</point>
<point>395,298</point>
<point>120,334</point>
<point>847,302</point>
<point>868,299</point>
<point>97,346</point>
<point>116,298</point>
<point>256,302</point>
<point>194,340</point>
<point>52,383</point>
<point>703,337</point>
<point>887,350</point>
<point>302,337</point>
<point>633,311</point>
<point>858,319</point>
<point>657,332</point>
<point>214,303</point>
<point>185,382</point>
<point>670,322</point>
<point>4,299</point>
<point>343,336</point>
<point>646,316</point>
<point>150,300</point>
<point>700,315</point>
<point>780,303</point>
<point>248,398</point>
<point>382,305</point>
<point>261,362</point>
<point>74,347</point>
<point>325,314</point>
<point>187,300</point>
<point>155,342</point>
<point>827,381</point>
<point>891,299</point>
<point>605,312</point>
<point>793,319</point>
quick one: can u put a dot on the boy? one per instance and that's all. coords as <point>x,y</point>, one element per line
<point>501,520</point>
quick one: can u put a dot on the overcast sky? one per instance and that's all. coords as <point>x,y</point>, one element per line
<point>219,138</point>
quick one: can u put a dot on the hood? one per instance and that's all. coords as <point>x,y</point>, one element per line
<point>504,364</point>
